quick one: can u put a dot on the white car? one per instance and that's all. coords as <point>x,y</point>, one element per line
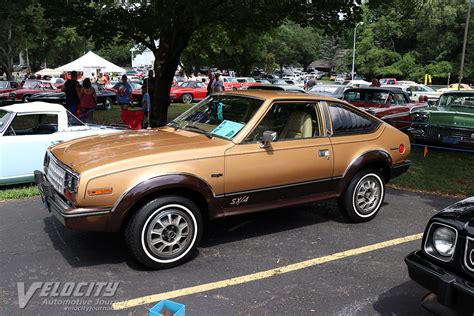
<point>26,132</point>
<point>416,90</point>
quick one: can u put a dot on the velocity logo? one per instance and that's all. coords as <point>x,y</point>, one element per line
<point>77,292</point>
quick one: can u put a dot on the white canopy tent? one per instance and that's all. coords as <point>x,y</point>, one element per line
<point>92,63</point>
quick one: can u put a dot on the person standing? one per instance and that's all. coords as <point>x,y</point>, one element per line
<point>310,83</point>
<point>375,83</point>
<point>209,84</point>
<point>70,88</point>
<point>218,84</point>
<point>124,93</point>
<point>87,101</point>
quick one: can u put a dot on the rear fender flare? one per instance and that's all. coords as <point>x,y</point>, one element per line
<point>378,158</point>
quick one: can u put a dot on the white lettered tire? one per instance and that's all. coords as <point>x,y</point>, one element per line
<point>165,232</point>
<point>363,197</point>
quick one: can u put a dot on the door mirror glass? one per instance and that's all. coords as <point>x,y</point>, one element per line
<point>267,138</point>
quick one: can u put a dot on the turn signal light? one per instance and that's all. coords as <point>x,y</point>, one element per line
<point>102,191</point>
<point>401,148</point>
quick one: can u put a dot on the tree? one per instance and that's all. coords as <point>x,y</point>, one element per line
<point>173,24</point>
<point>11,33</point>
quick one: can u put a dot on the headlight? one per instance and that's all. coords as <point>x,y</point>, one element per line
<point>444,240</point>
<point>71,183</point>
<point>440,241</point>
<point>420,117</point>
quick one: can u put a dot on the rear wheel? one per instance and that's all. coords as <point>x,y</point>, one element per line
<point>187,98</point>
<point>363,196</point>
<point>164,232</point>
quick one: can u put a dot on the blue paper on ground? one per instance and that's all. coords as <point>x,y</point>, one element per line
<point>227,129</point>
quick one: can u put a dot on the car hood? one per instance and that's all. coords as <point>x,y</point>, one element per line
<point>137,148</point>
<point>462,211</point>
<point>457,116</point>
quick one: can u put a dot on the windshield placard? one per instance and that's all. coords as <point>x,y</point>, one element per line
<point>227,129</point>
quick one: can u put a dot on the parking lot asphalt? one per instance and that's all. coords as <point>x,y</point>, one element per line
<point>35,247</point>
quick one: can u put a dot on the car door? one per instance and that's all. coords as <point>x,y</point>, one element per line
<point>24,144</point>
<point>298,163</point>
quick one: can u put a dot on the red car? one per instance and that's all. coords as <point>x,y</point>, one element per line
<point>247,82</point>
<point>189,91</point>
<point>389,104</point>
<point>7,86</point>
<point>231,83</point>
<point>29,88</point>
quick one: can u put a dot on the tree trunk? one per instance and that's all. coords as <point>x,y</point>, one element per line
<point>8,72</point>
<point>167,58</point>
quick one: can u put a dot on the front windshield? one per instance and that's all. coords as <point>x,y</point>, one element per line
<point>428,89</point>
<point>459,100</point>
<point>72,120</point>
<point>4,117</point>
<point>223,116</point>
<point>3,84</point>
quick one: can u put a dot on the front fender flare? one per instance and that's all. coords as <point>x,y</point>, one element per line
<point>154,185</point>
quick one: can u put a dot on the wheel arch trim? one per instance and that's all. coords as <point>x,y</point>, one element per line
<point>155,185</point>
<point>379,156</point>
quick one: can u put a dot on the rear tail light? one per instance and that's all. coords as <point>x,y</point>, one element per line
<point>401,148</point>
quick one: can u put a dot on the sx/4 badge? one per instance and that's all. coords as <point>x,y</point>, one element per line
<point>239,200</point>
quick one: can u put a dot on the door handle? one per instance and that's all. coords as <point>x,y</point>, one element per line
<point>55,142</point>
<point>324,153</point>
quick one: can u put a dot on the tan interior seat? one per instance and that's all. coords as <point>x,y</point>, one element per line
<point>299,125</point>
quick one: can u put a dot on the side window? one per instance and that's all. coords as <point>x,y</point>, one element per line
<point>36,124</point>
<point>347,121</point>
<point>352,96</point>
<point>290,121</point>
<point>14,85</point>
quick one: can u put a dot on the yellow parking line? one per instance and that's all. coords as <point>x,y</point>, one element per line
<point>261,275</point>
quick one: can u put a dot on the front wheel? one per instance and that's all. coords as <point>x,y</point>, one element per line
<point>164,232</point>
<point>187,98</point>
<point>362,199</point>
<point>108,104</point>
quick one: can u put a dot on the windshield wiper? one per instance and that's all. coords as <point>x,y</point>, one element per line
<point>198,129</point>
<point>175,125</point>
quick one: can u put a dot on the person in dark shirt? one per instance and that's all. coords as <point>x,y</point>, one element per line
<point>72,96</point>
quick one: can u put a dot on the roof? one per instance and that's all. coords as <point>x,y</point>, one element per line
<point>278,94</point>
<point>459,92</point>
<point>374,89</point>
<point>34,107</point>
<point>93,61</point>
<point>281,87</point>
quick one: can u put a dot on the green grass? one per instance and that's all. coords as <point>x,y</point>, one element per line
<point>441,171</point>
<point>13,192</point>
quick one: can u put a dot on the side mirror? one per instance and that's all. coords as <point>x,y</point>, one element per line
<point>267,138</point>
<point>409,92</point>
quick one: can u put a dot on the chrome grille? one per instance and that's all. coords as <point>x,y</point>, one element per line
<point>469,254</point>
<point>56,175</point>
<point>463,135</point>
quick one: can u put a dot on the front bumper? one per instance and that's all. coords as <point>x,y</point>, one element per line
<point>399,168</point>
<point>83,219</point>
<point>452,290</point>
